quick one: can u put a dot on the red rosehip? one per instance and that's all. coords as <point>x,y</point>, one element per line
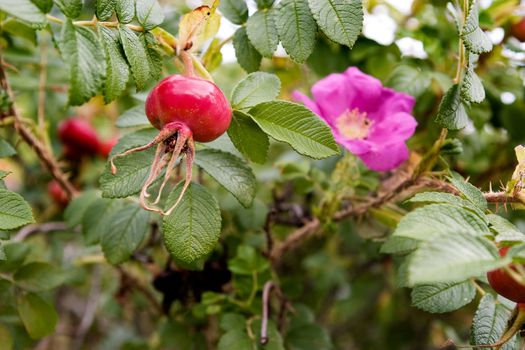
<point>106,147</point>
<point>79,138</point>
<point>504,284</point>
<point>196,103</point>
<point>518,30</point>
<point>57,193</point>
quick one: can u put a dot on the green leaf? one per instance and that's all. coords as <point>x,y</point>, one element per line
<point>264,4</point>
<point>39,317</point>
<point>127,228</point>
<point>104,9</point>
<point>125,10</point>
<point>308,336</point>
<point>23,9</point>
<point>452,114</point>
<point>471,192</point>
<point>275,341</point>
<point>81,49</point>
<point>297,29</point>
<point>453,257</point>
<point>399,245</point>
<point>133,117</point>
<point>76,209</point>
<point>472,89</point>
<point>247,56</point>
<point>248,137</point>
<point>20,29</point>
<point>506,231</point>
<point>262,32</point>
<point>231,321</point>
<point>296,125</point>
<point>44,5</point>
<point>340,20</point>
<point>14,211</point>
<point>431,221</point>
<point>443,297</point>
<point>15,253</point>
<point>489,323</point>
<point>475,39</point>
<point>3,256</point>
<point>235,339</point>
<point>154,55</point>
<point>134,139</point>
<point>247,261</point>
<point>97,219</point>
<point>229,171</point>
<point>38,276</point>
<point>138,57</point>
<point>193,228</point>
<point>71,8</point>
<point>6,150</point>
<point>5,338</point>
<point>149,13</point>
<point>235,11</point>
<point>410,80</point>
<point>437,197</point>
<point>254,89</point>
<point>117,70</point>
<point>132,172</point>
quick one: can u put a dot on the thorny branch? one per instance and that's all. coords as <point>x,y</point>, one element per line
<point>43,153</point>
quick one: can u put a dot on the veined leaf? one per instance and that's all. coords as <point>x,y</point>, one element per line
<point>38,316</point>
<point>296,125</point>
<point>413,81</point>
<point>23,9</point>
<point>149,13</point>
<point>104,9</point>
<point>475,39</point>
<point>193,228</point>
<point>6,150</point>
<point>133,117</point>
<point>14,211</point>
<point>254,89</point>
<point>340,20</point>
<point>452,114</point>
<point>38,276</point>
<point>443,297</point>
<point>262,32</point>
<point>248,137</point>
<point>97,218</point>
<point>247,56</point>
<point>472,89</point>
<point>71,8</point>
<point>297,29</point>
<point>77,207</point>
<point>117,70</point>
<point>235,11</point>
<point>125,10</point>
<point>137,56</point>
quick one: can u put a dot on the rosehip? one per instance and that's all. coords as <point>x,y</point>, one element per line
<point>504,284</point>
<point>57,193</point>
<point>79,138</point>
<point>518,30</point>
<point>184,109</point>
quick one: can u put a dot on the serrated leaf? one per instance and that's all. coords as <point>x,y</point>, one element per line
<point>431,221</point>
<point>97,218</point>
<point>133,117</point>
<point>297,29</point>
<point>437,197</point>
<point>229,171</point>
<point>472,89</point>
<point>149,13</point>
<point>38,276</point>
<point>248,137</point>
<point>262,32</point>
<point>296,125</point>
<point>137,57</point>
<point>254,89</point>
<point>71,8</point>
<point>443,297</point>
<point>39,317</point>
<point>134,139</point>
<point>506,231</point>
<point>127,228</point>
<point>247,261</point>
<point>154,56</point>
<point>23,9</point>
<point>235,11</point>
<point>193,228</point>
<point>117,70</point>
<point>471,192</point>
<point>452,114</point>
<point>82,50</point>
<point>6,150</point>
<point>489,323</point>
<point>104,9</point>
<point>44,5</point>
<point>264,4</point>
<point>340,20</point>
<point>76,209</point>
<point>125,10</point>
<point>247,56</point>
<point>399,245</point>
<point>14,211</point>
<point>132,172</point>
<point>451,258</point>
<point>411,80</point>
<point>475,39</point>
<point>197,26</point>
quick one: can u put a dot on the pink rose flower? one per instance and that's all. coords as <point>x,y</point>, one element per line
<point>371,121</point>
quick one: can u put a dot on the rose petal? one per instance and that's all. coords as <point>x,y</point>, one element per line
<point>393,102</point>
<point>394,128</point>
<point>364,91</point>
<point>386,158</point>
<point>308,102</point>
<point>332,96</point>
<point>356,146</point>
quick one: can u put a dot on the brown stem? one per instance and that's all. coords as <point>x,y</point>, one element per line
<point>268,286</point>
<point>44,153</point>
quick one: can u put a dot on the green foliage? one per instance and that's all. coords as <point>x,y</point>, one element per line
<point>297,126</point>
<point>117,70</point>
<point>248,137</point>
<point>452,114</point>
<point>471,87</point>
<point>38,276</point>
<point>235,11</point>
<point>133,117</point>
<point>97,219</point>
<point>149,13</point>
<point>104,9</point>
<point>193,228</point>
<point>247,55</point>
<point>262,32</point>
<point>443,297</point>
<point>476,41</point>
<point>6,150</point>
<point>138,57</point>
<point>254,89</point>
<point>71,8</point>
<point>125,10</point>
<point>413,81</point>
<point>14,211</point>
<point>25,10</point>
<point>39,317</point>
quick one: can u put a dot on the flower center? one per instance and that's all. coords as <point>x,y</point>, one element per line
<point>354,124</point>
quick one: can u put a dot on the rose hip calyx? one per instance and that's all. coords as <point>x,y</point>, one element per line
<point>184,109</point>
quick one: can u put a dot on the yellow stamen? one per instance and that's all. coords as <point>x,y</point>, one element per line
<point>354,124</point>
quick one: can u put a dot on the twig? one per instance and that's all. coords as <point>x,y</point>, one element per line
<point>270,217</point>
<point>35,228</point>
<point>43,153</point>
<point>268,286</point>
